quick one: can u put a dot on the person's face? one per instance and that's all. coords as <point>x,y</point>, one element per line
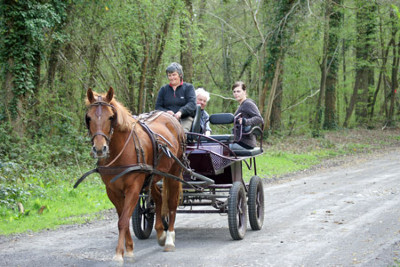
<point>202,101</point>
<point>174,78</point>
<point>239,94</point>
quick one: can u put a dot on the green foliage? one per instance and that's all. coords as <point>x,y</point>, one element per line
<point>25,24</point>
<point>41,179</point>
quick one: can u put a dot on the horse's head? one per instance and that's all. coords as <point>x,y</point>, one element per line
<point>100,121</point>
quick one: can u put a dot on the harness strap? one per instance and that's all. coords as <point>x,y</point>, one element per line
<point>150,133</point>
<point>84,176</point>
<point>125,145</point>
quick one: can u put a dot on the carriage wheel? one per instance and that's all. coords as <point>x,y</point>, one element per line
<point>165,222</point>
<point>143,218</point>
<point>237,211</point>
<point>256,203</point>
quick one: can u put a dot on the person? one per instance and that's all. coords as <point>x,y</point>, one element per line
<point>202,98</point>
<point>177,98</point>
<point>250,115</point>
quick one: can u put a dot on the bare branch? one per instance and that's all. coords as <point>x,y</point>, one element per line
<point>302,101</point>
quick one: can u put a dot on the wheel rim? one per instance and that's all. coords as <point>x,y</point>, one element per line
<point>144,216</point>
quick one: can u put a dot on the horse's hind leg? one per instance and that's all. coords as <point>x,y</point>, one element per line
<point>159,226</point>
<point>174,192</point>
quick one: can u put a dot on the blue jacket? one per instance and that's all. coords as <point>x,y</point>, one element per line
<point>183,99</point>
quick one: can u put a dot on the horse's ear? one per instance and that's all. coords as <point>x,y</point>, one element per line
<point>90,96</point>
<point>110,94</point>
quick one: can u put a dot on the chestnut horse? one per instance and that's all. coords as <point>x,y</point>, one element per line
<point>121,141</point>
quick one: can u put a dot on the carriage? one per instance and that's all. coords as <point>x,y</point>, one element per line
<point>214,183</point>
<point>148,162</point>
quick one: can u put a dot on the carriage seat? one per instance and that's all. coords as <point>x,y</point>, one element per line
<point>241,151</point>
<point>221,118</point>
<point>244,152</point>
<point>196,128</point>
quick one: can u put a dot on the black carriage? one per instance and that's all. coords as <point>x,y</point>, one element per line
<point>214,182</point>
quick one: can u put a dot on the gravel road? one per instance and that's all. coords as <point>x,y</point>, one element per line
<point>345,215</point>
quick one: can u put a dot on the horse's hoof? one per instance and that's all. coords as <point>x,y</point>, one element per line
<point>169,248</point>
<point>129,254</point>
<point>162,238</point>
<point>118,258</point>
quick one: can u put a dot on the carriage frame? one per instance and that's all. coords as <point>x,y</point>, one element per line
<point>213,180</point>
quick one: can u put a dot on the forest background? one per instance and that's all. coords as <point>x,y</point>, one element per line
<point>311,66</point>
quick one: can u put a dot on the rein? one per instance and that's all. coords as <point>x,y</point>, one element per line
<point>141,166</point>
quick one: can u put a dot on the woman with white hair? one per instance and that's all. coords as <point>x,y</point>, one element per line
<point>202,97</point>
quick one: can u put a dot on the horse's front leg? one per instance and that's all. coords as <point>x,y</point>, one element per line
<point>118,200</point>
<point>125,238</point>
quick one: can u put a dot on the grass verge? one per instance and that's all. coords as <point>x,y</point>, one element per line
<point>48,205</point>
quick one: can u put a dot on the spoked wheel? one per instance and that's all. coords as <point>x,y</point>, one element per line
<point>237,211</point>
<point>143,218</point>
<point>256,203</point>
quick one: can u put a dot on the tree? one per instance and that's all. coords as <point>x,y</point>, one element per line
<point>326,103</point>
<point>186,58</point>
<point>366,28</point>
<point>25,24</point>
<point>276,48</point>
<point>335,21</point>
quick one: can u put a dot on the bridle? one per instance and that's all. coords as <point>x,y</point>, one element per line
<point>99,104</point>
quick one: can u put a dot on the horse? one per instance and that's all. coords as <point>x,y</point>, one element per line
<point>120,141</point>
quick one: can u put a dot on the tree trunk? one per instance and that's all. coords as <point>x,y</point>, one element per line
<point>365,21</point>
<point>226,59</point>
<point>156,56</point>
<point>276,49</point>
<point>335,20</point>
<point>186,21</point>
<point>321,96</point>
<point>145,61</point>
<point>271,99</point>
<point>394,83</point>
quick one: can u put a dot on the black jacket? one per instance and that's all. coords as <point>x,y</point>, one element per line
<point>183,99</point>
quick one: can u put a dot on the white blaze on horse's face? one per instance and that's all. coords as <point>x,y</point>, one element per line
<point>99,119</point>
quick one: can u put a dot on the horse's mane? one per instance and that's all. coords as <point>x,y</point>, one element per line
<point>124,117</point>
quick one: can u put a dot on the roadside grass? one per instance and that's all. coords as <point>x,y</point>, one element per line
<point>48,204</point>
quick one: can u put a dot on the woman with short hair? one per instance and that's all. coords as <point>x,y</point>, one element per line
<point>250,115</point>
<point>178,97</point>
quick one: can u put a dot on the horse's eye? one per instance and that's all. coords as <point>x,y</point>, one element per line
<point>87,118</point>
<point>111,118</point>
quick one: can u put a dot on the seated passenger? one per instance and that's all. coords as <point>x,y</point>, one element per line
<point>202,97</point>
<point>177,98</point>
<point>250,115</point>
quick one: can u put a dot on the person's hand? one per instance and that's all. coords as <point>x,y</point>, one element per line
<point>208,133</point>
<point>178,115</point>
<point>170,112</point>
<point>240,120</point>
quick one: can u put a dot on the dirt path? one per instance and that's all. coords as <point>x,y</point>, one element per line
<point>347,215</point>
